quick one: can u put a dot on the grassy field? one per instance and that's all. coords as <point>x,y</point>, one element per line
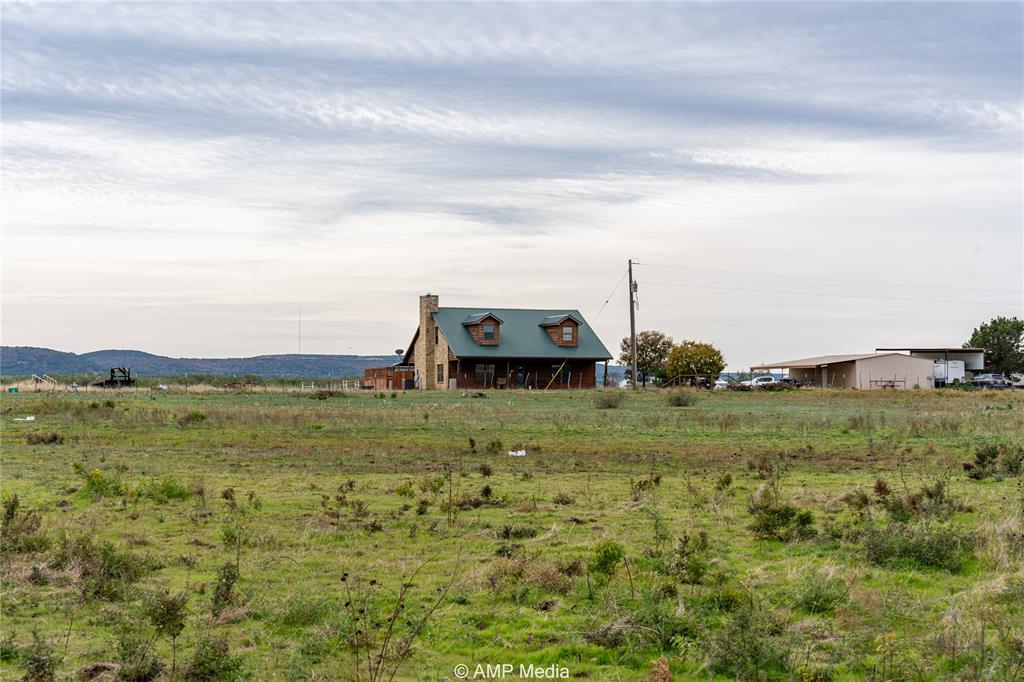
<point>808,535</point>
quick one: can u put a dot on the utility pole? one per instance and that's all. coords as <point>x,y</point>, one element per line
<point>632,321</point>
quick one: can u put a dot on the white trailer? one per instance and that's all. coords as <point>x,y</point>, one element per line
<point>949,372</point>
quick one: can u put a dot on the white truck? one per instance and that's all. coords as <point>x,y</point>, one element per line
<point>949,372</point>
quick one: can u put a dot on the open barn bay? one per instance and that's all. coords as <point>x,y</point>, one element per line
<point>781,535</point>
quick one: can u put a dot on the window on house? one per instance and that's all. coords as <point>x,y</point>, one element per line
<point>566,334</point>
<point>488,332</point>
<point>440,372</point>
<point>484,374</point>
<point>437,335</point>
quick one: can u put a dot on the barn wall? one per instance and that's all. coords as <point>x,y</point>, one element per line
<point>906,371</point>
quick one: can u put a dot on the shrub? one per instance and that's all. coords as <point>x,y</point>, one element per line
<point>779,521</point>
<point>681,398</point>
<point>223,591</point>
<point>563,499</point>
<point>690,559</point>
<point>44,438</point>
<point>98,484</point>
<point>104,570</point>
<point>992,460</point>
<point>605,558</point>
<point>191,418</point>
<point>40,659</point>
<point>921,544</point>
<point>821,592</point>
<point>511,532</point>
<point>212,661</point>
<point>609,400</point>
<point>135,656</point>
<point>744,648</point>
<point>485,469</point>
<point>165,490</point>
<point>19,529</point>
<point>494,447</point>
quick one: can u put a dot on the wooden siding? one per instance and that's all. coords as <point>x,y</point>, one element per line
<point>523,373</point>
<point>386,378</point>
<point>477,332</point>
<point>555,332</point>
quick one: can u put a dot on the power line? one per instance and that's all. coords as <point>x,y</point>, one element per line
<point>810,293</point>
<point>825,279</point>
<point>616,288</point>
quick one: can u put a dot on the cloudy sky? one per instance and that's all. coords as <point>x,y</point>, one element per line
<point>795,179</point>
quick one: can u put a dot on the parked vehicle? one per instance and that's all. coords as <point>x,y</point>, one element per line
<point>949,372</point>
<point>790,381</point>
<point>990,380</point>
<point>721,384</point>
<point>760,381</point>
<point>1017,380</point>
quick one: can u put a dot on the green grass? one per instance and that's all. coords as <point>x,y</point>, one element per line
<point>334,503</point>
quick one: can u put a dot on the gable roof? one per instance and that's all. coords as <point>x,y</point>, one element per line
<point>551,320</point>
<point>522,335</point>
<point>480,317</point>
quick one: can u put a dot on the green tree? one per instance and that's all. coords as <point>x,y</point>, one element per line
<point>692,359</point>
<point>1003,341</point>
<point>652,349</point>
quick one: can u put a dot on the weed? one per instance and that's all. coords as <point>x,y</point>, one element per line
<point>921,544</point>
<point>821,592</point>
<point>98,484</point>
<point>40,659</point>
<point>605,558</point>
<point>485,469</point>
<point>20,529</point>
<point>563,499</point>
<point>681,398</point>
<point>191,418</point>
<point>609,400</point>
<point>744,648</point>
<point>690,560</point>
<point>212,661</point>
<point>104,571</point>
<point>44,438</point>
<point>223,591</point>
<point>136,658</point>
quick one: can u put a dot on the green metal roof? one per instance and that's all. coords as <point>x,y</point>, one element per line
<point>522,335</point>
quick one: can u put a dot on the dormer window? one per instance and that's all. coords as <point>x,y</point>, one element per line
<point>485,328</point>
<point>567,334</point>
<point>489,331</point>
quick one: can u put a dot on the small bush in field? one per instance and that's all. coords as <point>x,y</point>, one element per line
<point>212,660</point>
<point>104,570</point>
<point>485,469</point>
<point>609,400</point>
<point>20,529</point>
<point>223,591</point>
<point>136,658</point>
<point>690,560</point>
<point>605,558</point>
<point>925,545</point>
<point>820,592</point>
<point>40,659</point>
<point>681,398</point>
<point>564,499</point>
<point>165,490</point>
<point>494,447</point>
<point>191,418</point>
<point>44,438</point>
<point>745,649</point>
<point>99,484</point>
<point>780,521</point>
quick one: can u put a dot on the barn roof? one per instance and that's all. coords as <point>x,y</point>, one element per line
<point>522,334</point>
<point>819,360</point>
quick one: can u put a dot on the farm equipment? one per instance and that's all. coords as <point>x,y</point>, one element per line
<point>120,377</point>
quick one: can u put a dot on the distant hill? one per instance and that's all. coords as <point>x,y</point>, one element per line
<point>24,360</point>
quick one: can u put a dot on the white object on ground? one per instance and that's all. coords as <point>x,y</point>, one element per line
<point>29,418</point>
<point>517,453</point>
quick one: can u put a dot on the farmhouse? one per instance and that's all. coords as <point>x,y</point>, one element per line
<point>865,371</point>
<point>480,348</point>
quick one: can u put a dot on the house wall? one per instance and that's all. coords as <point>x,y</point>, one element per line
<point>555,332</point>
<point>905,371</point>
<point>537,374</point>
<point>425,352</point>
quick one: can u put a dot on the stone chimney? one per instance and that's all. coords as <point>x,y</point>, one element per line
<point>426,346</point>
